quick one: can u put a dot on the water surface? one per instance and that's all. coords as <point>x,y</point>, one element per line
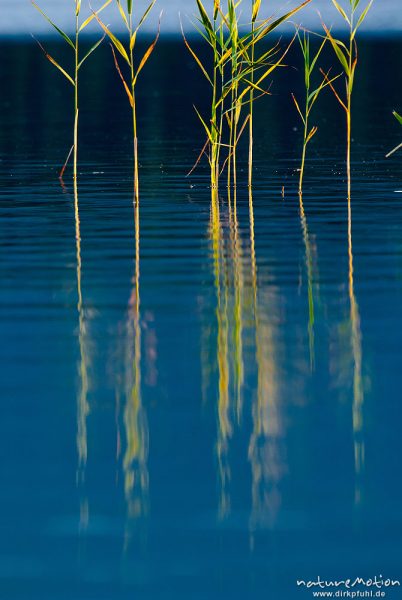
<point>197,401</point>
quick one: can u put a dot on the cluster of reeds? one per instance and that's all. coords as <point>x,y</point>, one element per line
<point>127,53</point>
<point>240,63</point>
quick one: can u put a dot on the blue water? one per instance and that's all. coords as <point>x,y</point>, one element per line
<point>206,405</point>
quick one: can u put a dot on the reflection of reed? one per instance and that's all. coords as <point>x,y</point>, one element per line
<point>238,291</point>
<point>309,268</point>
<point>265,454</point>
<point>356,341</point>
<point>135,422</point>
<point>82,402</point>
<point>238,314</point>
<point>224,418</point>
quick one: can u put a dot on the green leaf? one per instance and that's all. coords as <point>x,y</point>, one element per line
<point>194,55</point>
<point>205,19</point>
<point>397,117</point>
<point>285,17</point>
<point>340,54</point>
<point>316,57</point>
<point>209,134</point>
<point>363,15</point>
<point>93,48</point>
<point>145,15</point>
<point>63,35</point>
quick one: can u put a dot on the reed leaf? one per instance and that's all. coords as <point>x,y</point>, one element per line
<point>92,16</point>
<point>92,49</point>
<point>115,41</point>
<point>59,31</point>
<point>275,24</point>
<point>56,64</point>
<point>125,85</point>
<point>397,117</point>
<point>147,54</point>
<point>145,15</point>
<point>123,14</point>
<point>256,10</point>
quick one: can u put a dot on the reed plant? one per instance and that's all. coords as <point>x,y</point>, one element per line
<point>73,78</point>
<point>259,32</point>
<point>237,72</point>
<point>311,96</point>
<point>347,55</point>
<point>399,119</point>
<point>127,51</point>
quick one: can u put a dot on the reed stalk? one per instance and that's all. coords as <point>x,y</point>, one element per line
<point>347,55</point>
<point>73,78</point>
<point>311,97</point>
<point>254,16</point>
<point>129,56</point>
<point>234,76</point>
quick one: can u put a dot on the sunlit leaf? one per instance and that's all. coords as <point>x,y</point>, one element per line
<point>298,108</point>
<point>117,44</point>
<point>127,89</point>
<point>208,131</point>
<point>256,10</point>
<point>217,5</point>
<point>194,55</point>
<point>341,10</point>
<point>312,133</point>
<point>147,54</point>
<point>123,14</point>
<point>91,17</point>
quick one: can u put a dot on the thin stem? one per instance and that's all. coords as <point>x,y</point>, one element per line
<point>303,159</point>
<point>76,107</point>
<point>251,124</point>
<point>134,115</point>
<point>349,110</point>
<point>215,140</point>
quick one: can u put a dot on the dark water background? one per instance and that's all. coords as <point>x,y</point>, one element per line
<point>240,427</point>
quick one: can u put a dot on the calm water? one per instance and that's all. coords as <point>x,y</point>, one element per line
<point>220,417</point>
